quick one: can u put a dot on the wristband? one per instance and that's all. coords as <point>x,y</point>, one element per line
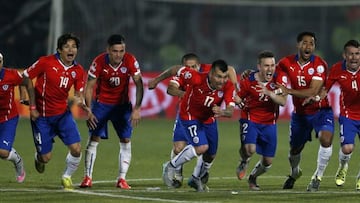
<point>317,98</point>
<point>278,91</point>
<point>32,107</point>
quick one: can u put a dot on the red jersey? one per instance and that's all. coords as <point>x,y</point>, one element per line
<point>349,83</point>
<point>300,77</point>
<point>205,68</point>
<point>260,108</point>
<point>199,97</point>
<point>113,82</point>
<point>9,78</point>
<point>53,83</point>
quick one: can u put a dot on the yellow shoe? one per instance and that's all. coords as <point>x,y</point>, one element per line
<point>358,184</point>
<point>340,176</point>
<point>67,183</point>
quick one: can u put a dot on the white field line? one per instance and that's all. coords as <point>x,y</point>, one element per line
<point>110,193</point>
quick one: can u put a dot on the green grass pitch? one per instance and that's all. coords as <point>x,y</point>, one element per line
<point>151,146</point>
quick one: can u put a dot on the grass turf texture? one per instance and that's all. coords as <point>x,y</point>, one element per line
<point>151,145</point>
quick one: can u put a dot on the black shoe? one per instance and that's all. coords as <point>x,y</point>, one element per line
<point>289,183</point>
<point>252,183</point>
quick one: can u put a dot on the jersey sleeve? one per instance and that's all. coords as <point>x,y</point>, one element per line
<point>321,68</point>
<point>80,79</point>
<point>134,67</point>
<point>35,69</point>
<point>95,67</point>
<point>188,76</point>
<point>281,78</point>
<point>243,88</point>
<point>229,94</point>
<point>332,78</point>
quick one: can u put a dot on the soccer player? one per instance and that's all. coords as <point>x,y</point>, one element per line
<point>198,111</point>
<point>307,73</point>
<point>9,116</point>
<point>258,121</point>
<point>179,140</point>
<point>55,75</point>
<point>110,72</point>
<point>346,74</point>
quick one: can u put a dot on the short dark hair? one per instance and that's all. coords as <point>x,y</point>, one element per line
<point>115,39</point>
<point>301,35</point>
<point>351,43</point>
<point>265,54</point>
<point>189,56</point>
<point>62,40</point>
<point>221,64</point>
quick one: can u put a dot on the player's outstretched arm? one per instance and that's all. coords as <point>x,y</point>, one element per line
<point>174,90</point>
<point>162,76</point>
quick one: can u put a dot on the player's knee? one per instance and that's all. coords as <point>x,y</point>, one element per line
<point>178,147</point>
<point>125,140</point>
<point>75,149</point>
<point>347,149</point>
<point>4,153</point>
<point>201,149</point>
<point>45,158</point>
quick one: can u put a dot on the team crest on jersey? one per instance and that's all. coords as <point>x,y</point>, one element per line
<point>73,74</point>
<point>123,69</point>
<point>5,87</point>
<point>320,69</point>
<point>196,139</point>
<point>187,75</point>
<point>311,71</point>
<point>220,94</point>
<point>272,85</point>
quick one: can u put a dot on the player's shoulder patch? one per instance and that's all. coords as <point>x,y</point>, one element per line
<point>187,75</point>
<point>320,69</point>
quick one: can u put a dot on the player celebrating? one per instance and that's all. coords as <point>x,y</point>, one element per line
<point>258,127</point>
<point>346,74</point>
<point>199,109</point>
<point>307,74</point>
<point>9,115</point>
<point>179,140</point>
<point>110,72</point>
<point>55,75</point>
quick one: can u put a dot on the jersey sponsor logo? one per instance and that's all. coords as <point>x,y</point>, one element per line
<point>311,71</point>
<point>5,87</point>
<point>320,69</point>
<point>123,69</point>
<point>187,75</point>
<point>73,74</point>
